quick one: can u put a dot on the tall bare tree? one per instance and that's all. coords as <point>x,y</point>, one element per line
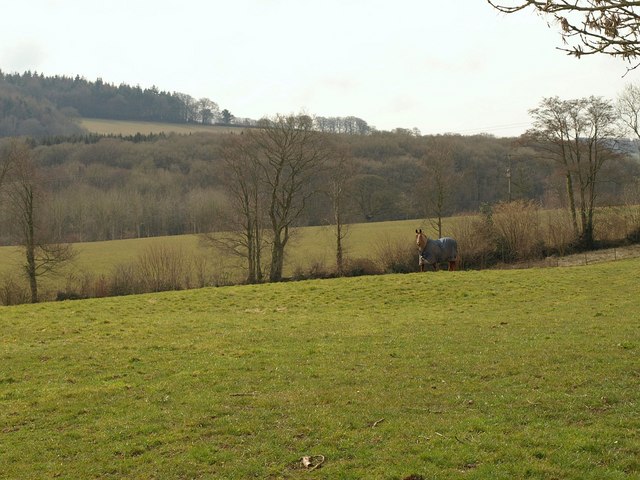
<point>292,154</point>
<point>601,145</point>
<point>553,132</point>
<point>588,27</point>
<point>271,173</point>
<point>341,170</point>
<point>439,181</point>
<point>628,109</point>
<point>242,231</point>
<point>580,136</point>
<point>43,255</point>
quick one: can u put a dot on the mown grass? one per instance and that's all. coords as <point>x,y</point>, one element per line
<point>485,375</point>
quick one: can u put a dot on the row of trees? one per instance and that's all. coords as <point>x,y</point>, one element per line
<point>123,102</point>
<point>35,105</point>
<point>118,188</point>
<point>175,184</point>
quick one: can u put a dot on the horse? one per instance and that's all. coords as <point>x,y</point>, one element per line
<point>432,252</point>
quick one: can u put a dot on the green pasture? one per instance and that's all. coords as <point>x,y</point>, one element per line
<point>479,374</point>
<point>127,128</point>
<point>309,245</point>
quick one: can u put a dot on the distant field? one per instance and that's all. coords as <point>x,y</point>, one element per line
<point>125,128</point>
<point>310,245</point>
<point>484,375</point>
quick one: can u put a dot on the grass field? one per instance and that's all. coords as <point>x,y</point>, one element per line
<point>126,128</point>
<point>485,375</point>
<point>308,245</point>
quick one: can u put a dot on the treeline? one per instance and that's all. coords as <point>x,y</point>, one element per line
<point>100,99</point>
<point>25,115</point>
<point>33,104</point>
<point>114,188</point>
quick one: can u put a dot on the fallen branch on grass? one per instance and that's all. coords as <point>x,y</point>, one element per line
<point>375,424</point>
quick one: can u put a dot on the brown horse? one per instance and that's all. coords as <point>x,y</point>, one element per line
<point>432,252</point>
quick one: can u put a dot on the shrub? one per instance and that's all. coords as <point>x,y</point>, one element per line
<point>125,280</point>
<point>316,269</point>
<point>161,268</point>
<point>361,266</point>
<point>396,256</point>
<point>199,266</point>
<point>68,295</point>
<point>517,229</point>
<point>12,292</point>
<point>476,245</point>
<point>559,234</point>
<point>613,224</point>
<point>84,284</point>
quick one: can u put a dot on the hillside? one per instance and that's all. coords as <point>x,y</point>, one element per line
<point>508,374</point>
<point>39,106</point>
<point>104,100</point>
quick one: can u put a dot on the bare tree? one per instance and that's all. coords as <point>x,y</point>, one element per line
<point>189,110</point>
<point>242,231</point>
<point>589,27</point>
<point>292,154</point>
<point>628,109</point>
<point>207,111</point>
<point>580,136</point>
<point>438,183</point>
<point>341,170</point>
<point>43,254</point>
<point>601,146</point>
<point>553,131</point>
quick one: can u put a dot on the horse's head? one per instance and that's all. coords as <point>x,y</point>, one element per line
<point>421,240</point>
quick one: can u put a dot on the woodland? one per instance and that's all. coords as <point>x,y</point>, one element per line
<point>113,188</point>
<point>33,104</point>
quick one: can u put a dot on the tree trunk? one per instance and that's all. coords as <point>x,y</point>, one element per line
<point>277,261</point>
<point>251,254</point>
<point>31,273</point>
<point>30,246</point>
<point>339,249</point>
<point>572,205</point>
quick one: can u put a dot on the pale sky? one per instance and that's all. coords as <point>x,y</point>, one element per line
<point>439,66</point>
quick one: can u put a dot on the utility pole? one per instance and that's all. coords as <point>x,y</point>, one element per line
<point>509,176</point>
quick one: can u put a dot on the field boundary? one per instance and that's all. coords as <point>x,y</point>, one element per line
<point>578,259</point>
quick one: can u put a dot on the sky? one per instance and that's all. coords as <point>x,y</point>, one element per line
<point>454,66</point>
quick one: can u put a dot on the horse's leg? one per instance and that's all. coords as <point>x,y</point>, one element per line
<point>452,266</point>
